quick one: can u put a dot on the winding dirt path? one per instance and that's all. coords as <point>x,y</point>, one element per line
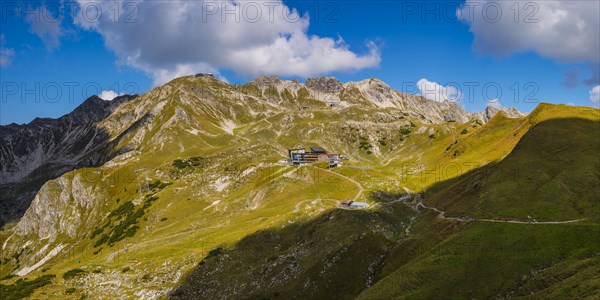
<point>533,222</point>
<point>337,201</point>
<point>360,187</point>
<point>442,214</point>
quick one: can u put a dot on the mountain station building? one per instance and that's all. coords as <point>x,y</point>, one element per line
<point>299,156</point>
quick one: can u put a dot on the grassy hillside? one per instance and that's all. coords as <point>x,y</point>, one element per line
<point>335,255</point>
<point>452,259</point>
<point>550,175</point>
<point>197,203</point>
<point>553,174</point>
<point>489,260</point>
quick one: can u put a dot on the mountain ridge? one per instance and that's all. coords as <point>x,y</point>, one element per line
<point>195,167</point>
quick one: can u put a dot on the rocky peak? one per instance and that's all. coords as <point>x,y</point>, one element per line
<point>266,81</point>
<point>491,111</point>
<point>513,113</point>
<point>375,90</point>
<point>45,148</point>
<point>379,86</point>
<point>94,109</point>
<point>324,84</point>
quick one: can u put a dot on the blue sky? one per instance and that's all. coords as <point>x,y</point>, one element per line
<point>53,59</point>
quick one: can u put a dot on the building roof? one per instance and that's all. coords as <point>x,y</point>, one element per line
<point>317,149</point>
<point>359,204</point>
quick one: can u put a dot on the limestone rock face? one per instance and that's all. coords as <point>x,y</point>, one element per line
<point>491,111</point>
<point>61,213</point>
<point>31,154</point>
<point>324,84</point>
<point>61,206</point>
<point>266,81</point>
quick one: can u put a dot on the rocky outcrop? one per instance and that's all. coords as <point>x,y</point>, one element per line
<point>374,93</point>
<point>33,153</point>
<point>491,111</point>
<point>66,140</point>
<point>61,206</point>
<point>266,81</point>
<point>324,84</point>
<point>62,210</point>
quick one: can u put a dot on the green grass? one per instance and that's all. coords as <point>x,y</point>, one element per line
<point>350,242</point>
<point>73,273</point>
<point>282,235</point>
<point>23,288</point>
<point>487,260</point>
<point>545,178</point>
<point>566,280</point>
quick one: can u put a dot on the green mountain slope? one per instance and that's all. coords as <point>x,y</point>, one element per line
<point>489,260</point>
<point>197,202</point>
<point>553,173</point>
<point>478,259</point>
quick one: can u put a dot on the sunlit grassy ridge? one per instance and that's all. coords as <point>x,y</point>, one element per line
<point>550,175</point>
<point>553,173</point>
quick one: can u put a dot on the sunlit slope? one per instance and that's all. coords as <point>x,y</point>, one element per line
<point>197,202</point>
<point>533,229</point>
<point>553,173</point>
<point>424,154</point>
<point>335,255</point>
<point>181,225</point>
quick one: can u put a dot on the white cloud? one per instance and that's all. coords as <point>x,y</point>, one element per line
<point>6,54</point>
<point>495,103</point>
<point>437,92</point>
<point>171,38</point>
<point>46,26</point>
<point>560,30</point>
<point>163,75</point>
<point>595,94</point>
<point>108,95</point>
